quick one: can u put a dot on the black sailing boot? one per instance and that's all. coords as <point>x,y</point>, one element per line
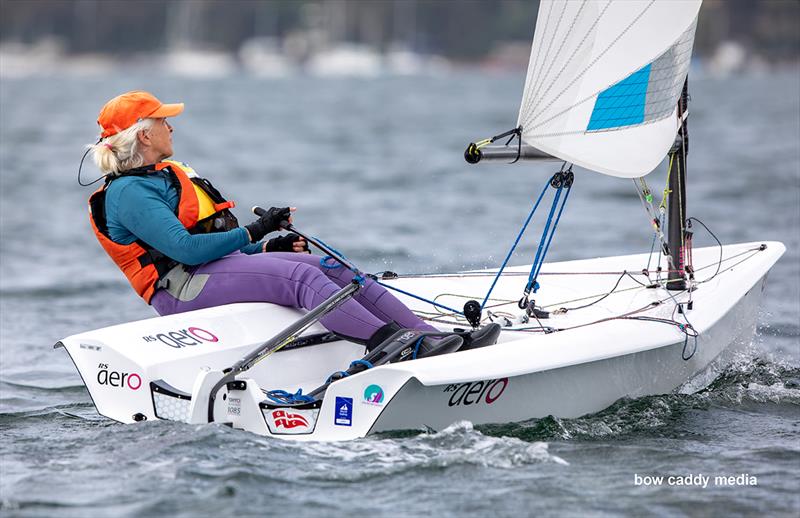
<point>391,343</point>
<point>381,335</point>
<point>481,337</point>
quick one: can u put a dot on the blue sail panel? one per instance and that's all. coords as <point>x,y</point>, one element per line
<point>621,104</point>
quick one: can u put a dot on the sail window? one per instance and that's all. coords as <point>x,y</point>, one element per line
<point>622,104</point>
<point>647,95</point>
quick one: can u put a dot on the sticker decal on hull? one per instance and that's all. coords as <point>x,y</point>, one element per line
<point>343,411</point>
<point>180,338</point>
<point>125,380</point>
<point>476,392</point>
<point>291,421</point>
<point>373,395</point>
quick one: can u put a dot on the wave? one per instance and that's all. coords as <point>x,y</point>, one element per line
<point>746,382</point>
<point>83,411</point>
<point>223,465</point>
<point>786,330</point>
<point>458,444</point>
<point>42,388</point>
<point>61,290</point>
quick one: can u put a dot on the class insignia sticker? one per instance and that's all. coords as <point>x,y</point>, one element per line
<point>343,412</point>
<point>286,421</point>
<point>373,395</point>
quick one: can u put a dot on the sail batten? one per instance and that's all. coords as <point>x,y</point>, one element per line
<point>603,81</point>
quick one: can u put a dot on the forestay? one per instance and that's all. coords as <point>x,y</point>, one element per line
<point>603,81</point>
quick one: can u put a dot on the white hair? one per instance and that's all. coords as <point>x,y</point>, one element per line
<point>120,152</point>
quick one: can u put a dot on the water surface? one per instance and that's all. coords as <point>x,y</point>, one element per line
<point>376,169</point>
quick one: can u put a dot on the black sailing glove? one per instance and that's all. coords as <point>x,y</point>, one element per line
<point>284,243</point>
<point>269,222</point>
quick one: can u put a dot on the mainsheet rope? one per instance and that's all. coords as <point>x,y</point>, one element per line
<point>560,181</point>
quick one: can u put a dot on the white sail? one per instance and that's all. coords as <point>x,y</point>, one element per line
<point>604,79</point>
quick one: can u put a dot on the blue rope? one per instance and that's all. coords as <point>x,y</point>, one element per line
<point>423,299</point>
<point>365,363</point>
<point>324,263</point>
<point>416,347</point>
<point>326,245</point>
<point>281,396</point>
<point>516,242</point>
<point>343,373</point>
<point>544,245</point>
<point>550,238</point>
<point>532,276</point>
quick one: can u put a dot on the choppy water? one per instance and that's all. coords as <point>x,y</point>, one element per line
<point>375,168</point>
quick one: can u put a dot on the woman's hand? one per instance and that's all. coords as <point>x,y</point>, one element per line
<point>269,221</point>
<point>289,243</point>
<point>301,246</point>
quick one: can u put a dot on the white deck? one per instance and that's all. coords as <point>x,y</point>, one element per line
<point>582,368</point>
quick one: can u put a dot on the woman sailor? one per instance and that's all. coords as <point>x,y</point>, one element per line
<point>174,236</point>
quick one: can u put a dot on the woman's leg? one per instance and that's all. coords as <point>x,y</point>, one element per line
<point>267,278</point>
<point>374,297</point>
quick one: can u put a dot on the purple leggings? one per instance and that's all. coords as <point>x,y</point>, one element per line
<point>298,281</point>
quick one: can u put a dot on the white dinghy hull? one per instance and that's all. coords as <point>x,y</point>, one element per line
<point>164,367</point>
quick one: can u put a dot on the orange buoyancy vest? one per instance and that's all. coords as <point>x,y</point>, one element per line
<point>201,209</point>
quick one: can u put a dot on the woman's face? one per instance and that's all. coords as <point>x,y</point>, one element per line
<point>159,139</point>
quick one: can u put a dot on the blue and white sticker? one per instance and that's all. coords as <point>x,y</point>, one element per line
<point>343,413</point>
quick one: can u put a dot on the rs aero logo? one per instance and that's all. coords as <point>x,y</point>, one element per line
<point>477,392</point>
<point>188,337</point>
<point>124,380</point>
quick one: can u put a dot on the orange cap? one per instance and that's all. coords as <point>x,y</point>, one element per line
<point>123,111</point>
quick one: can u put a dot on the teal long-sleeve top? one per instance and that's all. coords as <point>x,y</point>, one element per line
<point>143,207</point>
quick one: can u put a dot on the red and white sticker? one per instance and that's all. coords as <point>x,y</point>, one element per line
<point>291,421</point>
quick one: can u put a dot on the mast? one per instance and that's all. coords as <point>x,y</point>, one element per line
<point>676,207</point>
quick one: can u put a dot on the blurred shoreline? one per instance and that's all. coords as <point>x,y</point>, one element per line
<point>342,38</point>
<point>262,57</point>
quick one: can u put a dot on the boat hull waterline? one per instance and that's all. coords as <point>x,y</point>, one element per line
<point>164,367</point>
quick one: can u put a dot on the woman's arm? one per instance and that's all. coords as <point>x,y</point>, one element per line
<point>143,210</point>
<point>252,248</point>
